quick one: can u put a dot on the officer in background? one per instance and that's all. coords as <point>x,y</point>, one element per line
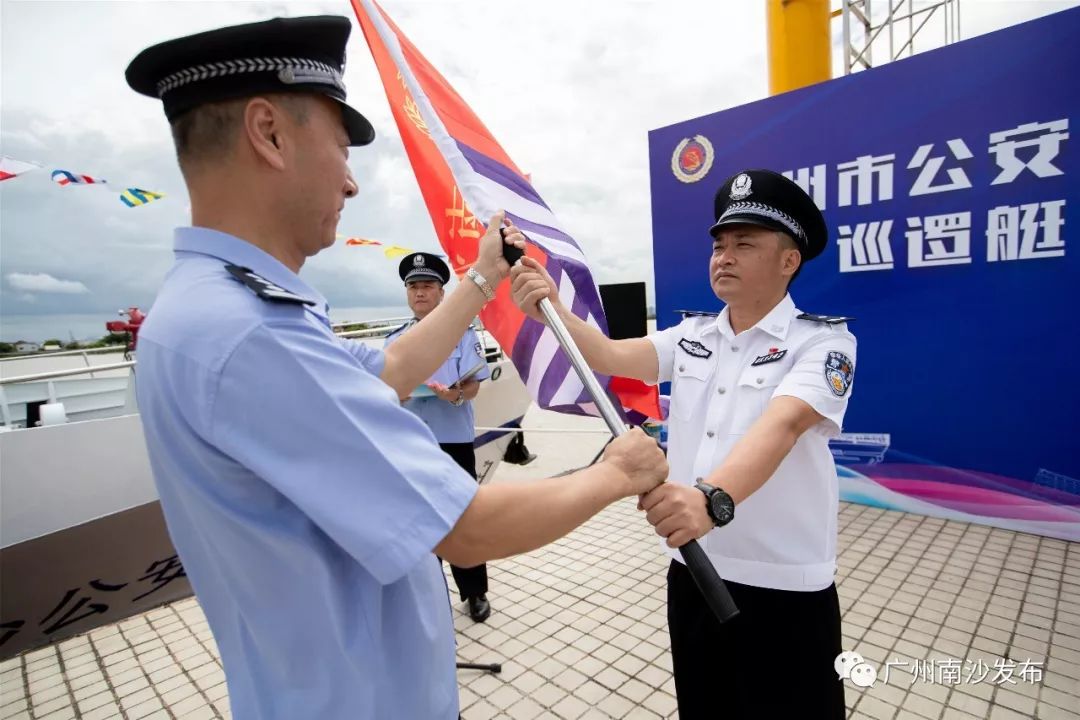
<point>446,405</point>
<point>305,503</point>
<point>756,392</point>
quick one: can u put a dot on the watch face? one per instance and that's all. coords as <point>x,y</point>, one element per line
<point>722,510</point>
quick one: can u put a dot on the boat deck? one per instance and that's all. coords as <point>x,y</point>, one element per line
<point>580,628</point>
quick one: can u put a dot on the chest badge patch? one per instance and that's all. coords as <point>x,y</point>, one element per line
<point>692,347</point>
<point>772,356</point>
<point>839,372</point>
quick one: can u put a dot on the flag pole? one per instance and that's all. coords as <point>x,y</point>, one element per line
<point>701,569</point>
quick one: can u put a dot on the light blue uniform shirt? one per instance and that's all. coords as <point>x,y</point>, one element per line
<point>304,501</point>
<point>448,423</point>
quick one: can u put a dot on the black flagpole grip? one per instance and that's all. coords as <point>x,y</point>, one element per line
<point>708,581</point>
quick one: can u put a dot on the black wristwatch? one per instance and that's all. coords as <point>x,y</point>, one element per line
<point>719,504</point>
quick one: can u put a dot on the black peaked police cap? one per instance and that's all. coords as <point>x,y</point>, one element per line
<point>423,266</point>
<point>283,55</point>
<point>770,200</point>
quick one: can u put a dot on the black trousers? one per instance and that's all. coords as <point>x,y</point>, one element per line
<point>470,581</point>
<point>775,660</point>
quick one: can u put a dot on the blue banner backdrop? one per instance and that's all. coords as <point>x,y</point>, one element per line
<point>951,189</point>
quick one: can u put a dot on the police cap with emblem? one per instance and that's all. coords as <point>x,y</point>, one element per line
<point>423,266</point>
<point>770,200</point>
<point>283,55</point>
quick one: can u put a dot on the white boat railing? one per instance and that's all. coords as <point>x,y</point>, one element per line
<point>364,333</point>
<point>91,369</point>
<point>84,352</point>
<point>375,328</point>
<point>6,416</point>
<point>38,377</point>
<point>372,324</point>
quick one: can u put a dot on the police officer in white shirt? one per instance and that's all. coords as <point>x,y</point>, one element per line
<point>757,391</point>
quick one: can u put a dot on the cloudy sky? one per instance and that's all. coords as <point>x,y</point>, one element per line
<point>570,89</point>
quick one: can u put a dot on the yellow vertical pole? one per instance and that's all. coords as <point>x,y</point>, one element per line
<point>799,48</point>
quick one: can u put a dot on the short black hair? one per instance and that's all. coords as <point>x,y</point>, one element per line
<point>210,130</point>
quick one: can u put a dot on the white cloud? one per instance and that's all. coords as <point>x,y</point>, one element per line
<point>45,283</point>
<point>395,178</point>
<point>569,88</point>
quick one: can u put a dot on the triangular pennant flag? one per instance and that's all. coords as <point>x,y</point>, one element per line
<point>63,178</point>
<point>396,251</point>
<point>10,167</point>
<point>133,197</point>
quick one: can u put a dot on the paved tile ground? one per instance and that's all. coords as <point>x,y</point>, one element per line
<point>580,627</point>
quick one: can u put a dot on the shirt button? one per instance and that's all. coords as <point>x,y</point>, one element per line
<point>710,433</point>
<point>734,348</point>
<point>722,390</point>
<point>760,380</point>
<point>682,368</point>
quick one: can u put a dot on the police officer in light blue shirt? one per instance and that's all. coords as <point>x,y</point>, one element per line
<point>445,402</point>
<point>305,503</point>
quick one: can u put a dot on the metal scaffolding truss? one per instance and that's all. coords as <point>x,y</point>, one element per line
<point>871,32</point>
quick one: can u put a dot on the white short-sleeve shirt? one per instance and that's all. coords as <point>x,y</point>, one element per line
<point>784,535</point>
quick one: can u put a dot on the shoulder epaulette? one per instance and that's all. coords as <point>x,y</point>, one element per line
<point>398,329</point>
<point>697,313</point>
<point>827,319</point>
<point>264,288</point>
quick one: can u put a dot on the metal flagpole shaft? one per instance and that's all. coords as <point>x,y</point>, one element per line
<point>701,569</point>
<point>562,334</point>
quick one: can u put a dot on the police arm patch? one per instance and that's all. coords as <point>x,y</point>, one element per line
<point>839,372</point>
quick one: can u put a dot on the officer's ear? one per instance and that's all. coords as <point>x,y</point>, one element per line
<point>792,261</point>
<point>263,130</point>
<point>790,256</point>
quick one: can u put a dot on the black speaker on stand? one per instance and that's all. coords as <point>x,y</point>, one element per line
<point>624,305</point>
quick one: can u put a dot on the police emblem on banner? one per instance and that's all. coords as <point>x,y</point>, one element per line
<point>692,159</point>
<point>838,373</point>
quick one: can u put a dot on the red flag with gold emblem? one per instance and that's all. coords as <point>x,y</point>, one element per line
<point>465,176</point>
